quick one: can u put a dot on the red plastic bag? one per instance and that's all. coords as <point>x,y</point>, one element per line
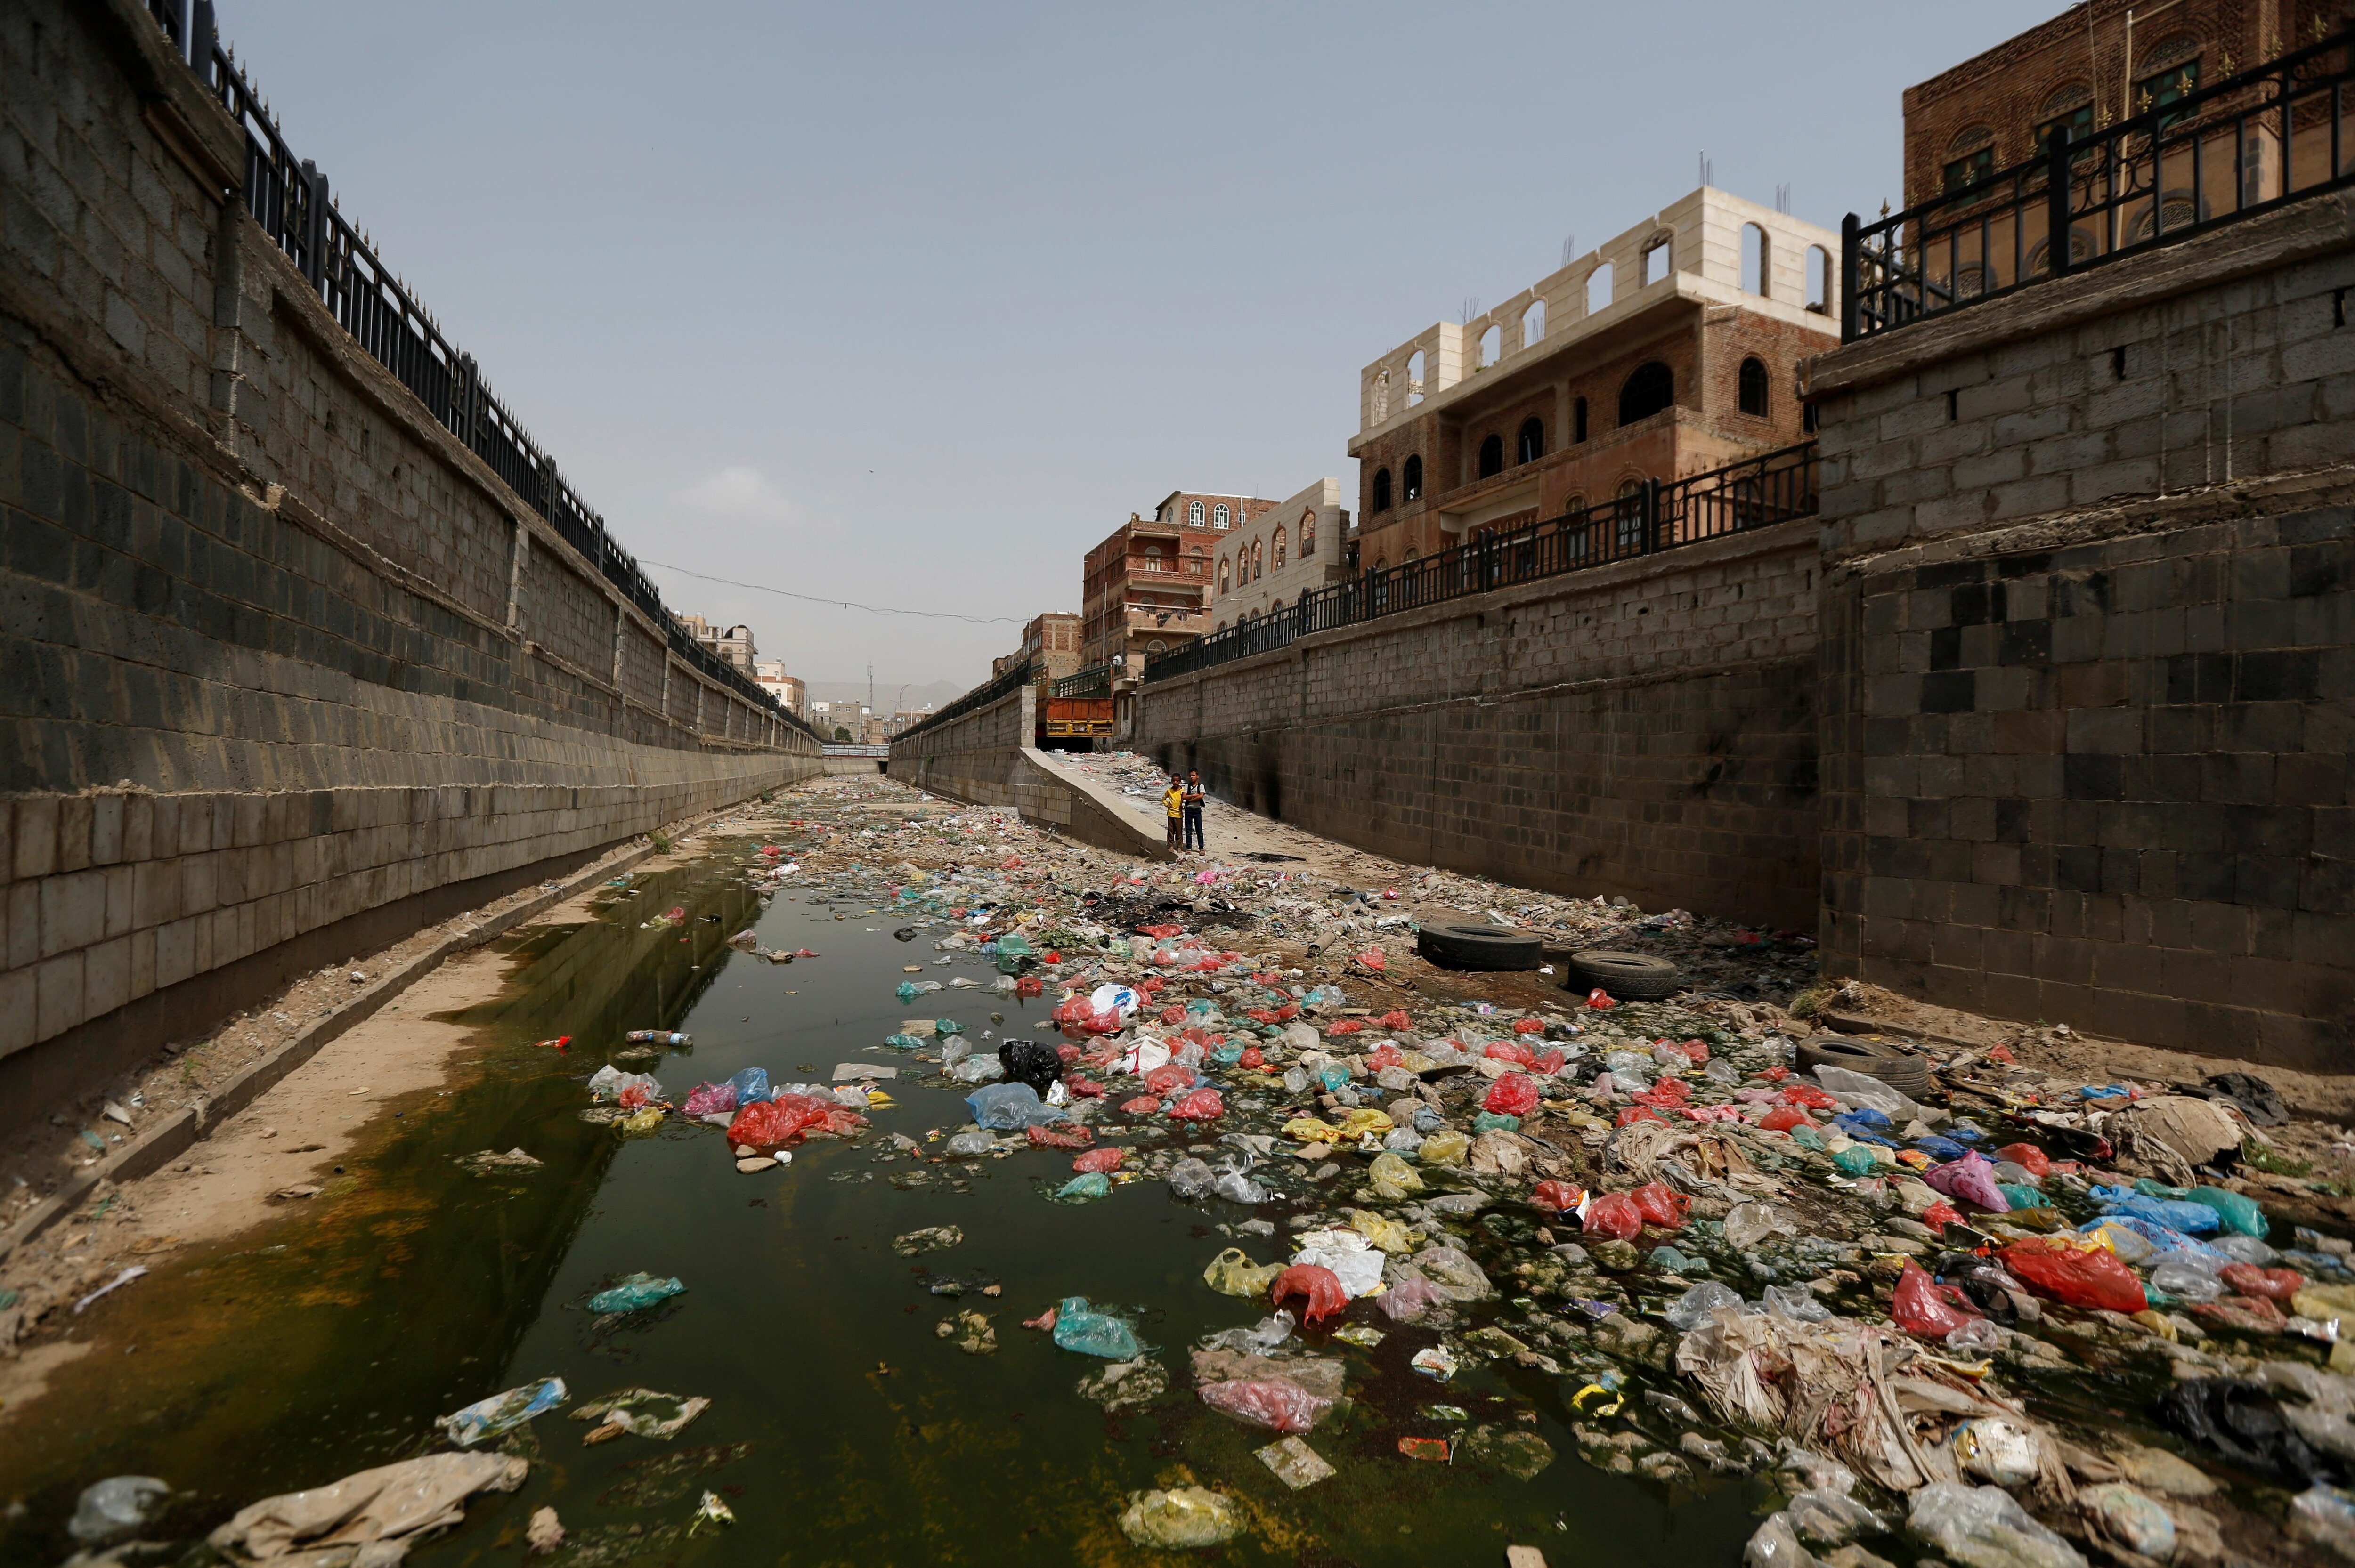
<point>1784,1119</point>
<point>1515,1094</point>
<point>1106,1160</point>
<point>1807,1095</point>
<point>1277,1404</point>
<point>1668,1094</point>
<point>1067,1053</point>
<point>1161,933</point>
<point>1084,1089</point>
<point>1661,1205</point>
<point>2274,1284</point>
<point>1319,1286</point>
<point>1070,1136</point>
<point>1395,1018</point>
<point>1080,1014</point>
<point>1507,1051</point>
<point>1556,1197</point>
<point>1615,1215</point>
<point>1923,1309</point>
<point>1203,1104</point>
<point>1598,997</point>
<point>1250,1057</point>
<point>2029,1158</point>
<point>1374,959</point>
<point>1938,1216</point>
<point>1696,1050</point>
<point>1028,986</point>
<point>1525,1026</point>
<point>1639,1113</point>
<point>1169,1079</point>
<point>773,1122</point>
<point>1347,1026</point>
<point>1547,1062</point>
<point>2075,1277</point>
<point>1382,1057</point>
<point>1171,1015</point>
<point>1142,1105</point>
<point>633,1098</point>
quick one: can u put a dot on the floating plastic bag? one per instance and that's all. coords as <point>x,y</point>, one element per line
<point>2075,1276</point>
<point>634,1293</point>
<point>965,1145</point>
<point>1275,1402</point>
<point>609,1083</point>
<point>1442,1148</point>
<point>501,1412</point>
<point>1079,1327</point>
<point>1318,1286</point>
<point>1190,1179</point>
<point>1617,1215</point>
<point>1410,1298</point>
<point>752,1087</point>
<point>710,1099</point>
<point>1661,1206</point>
<point>785,1116</point>
<point>1083,1188</point>
<point>1231,1273</point>
<point>1393,1178</point>
<point>1002,1108</point>
<point>1099,1160</point>
<point>1203,1104</point>
<point>1972,1180</point>
<point>1238,1188</point>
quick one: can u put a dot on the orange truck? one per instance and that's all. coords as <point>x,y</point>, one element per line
<point>1069,718</point>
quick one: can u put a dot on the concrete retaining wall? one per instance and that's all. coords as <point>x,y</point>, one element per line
<point>1645,728</point>
<point>285,670</point>
<point>986,757</point>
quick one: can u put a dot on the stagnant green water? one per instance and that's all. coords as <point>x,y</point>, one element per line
<point>842,1429</point>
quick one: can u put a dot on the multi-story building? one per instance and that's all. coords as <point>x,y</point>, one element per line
<point>1146,588</point>
<point>732,644</point>
<point>1051,644</point>
<point>1293,547</point>
<point>1671,349</point>
<point>770,676</point>
<point>2085,69</point>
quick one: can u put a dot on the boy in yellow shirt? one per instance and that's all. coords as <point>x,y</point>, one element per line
<point>1173,800</point>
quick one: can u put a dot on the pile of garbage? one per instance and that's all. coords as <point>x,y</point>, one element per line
<point>1875,1274</point>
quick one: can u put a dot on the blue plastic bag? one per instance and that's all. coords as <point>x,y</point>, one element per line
<point>1084,1189</point>
<point>907,991</point>
<point>634,1293</point>
<point>1078,1327</point>
<point>944,1027</point>
<point>2190,1219</point>
<point>1009,1107</point>
<point>1940,1149</point>
<point>1490,1121</point>
<point>752,1086</point>
<point>501,1412</point>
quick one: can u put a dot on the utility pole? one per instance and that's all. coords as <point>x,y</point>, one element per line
<point>871,686</point>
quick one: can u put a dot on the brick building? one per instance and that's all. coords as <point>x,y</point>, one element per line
<point>1671,349</point>
<point>1294,547</point>
<point>2087,68</point>
<point>792,695</point>
<point>1147,587</point>
<point>733,643</point>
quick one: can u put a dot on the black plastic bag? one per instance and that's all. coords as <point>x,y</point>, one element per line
<point>2244,1423</point>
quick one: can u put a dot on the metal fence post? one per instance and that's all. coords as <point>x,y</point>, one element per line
<point>2056,202</point>
<point>204,32</point>
<point>1651,515</point>
<point>314,224</point>
<point>1851,242</point>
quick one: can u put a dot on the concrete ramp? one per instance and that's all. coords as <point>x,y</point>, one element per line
<point>982,757</point>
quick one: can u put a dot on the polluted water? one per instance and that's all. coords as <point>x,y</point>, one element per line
<point>917,1187</point>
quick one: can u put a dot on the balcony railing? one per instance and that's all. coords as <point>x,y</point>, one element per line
<point>1091,682</point>
<point>2242,146</point>
<point>1762,491</point>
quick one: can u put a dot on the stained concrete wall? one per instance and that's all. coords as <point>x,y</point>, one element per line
<point>986,757</point>
<point>285,670</point>
<point>1645,727</point>
<point>2088,691</point>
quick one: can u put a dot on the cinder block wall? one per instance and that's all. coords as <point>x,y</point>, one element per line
<point>1645,728</point>
<point>2087,690</point>
<point>286,672</point>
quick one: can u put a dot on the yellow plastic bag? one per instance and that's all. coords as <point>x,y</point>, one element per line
<point>1363,1120</point>
<point>639,1123</point>
<point>1447,1147</point>
<point>1232,1274</point>
<point>1393,1178</point>
<point>1388,1235</point>
<point>1308,1129</point>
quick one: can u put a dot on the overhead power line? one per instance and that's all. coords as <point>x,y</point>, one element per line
<point>843,603</point>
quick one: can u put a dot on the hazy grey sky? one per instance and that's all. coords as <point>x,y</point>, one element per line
<point>914,304</point>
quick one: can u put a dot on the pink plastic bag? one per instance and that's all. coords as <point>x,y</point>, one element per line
<point>1068,1135</point>
<point>1515,1094</point>
<point>1318,1285</point>
<point>1277,1404</point>
<point>1923,1309</point>
<point>710,1099</point>
<point>1970,1179</point>
<point>1203,1104</point>
<point>1410,1298</point>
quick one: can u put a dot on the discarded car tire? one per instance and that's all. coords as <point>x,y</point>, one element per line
<point>1478,948</point>
<point>1901,1070</point>
<point>1627,977</point>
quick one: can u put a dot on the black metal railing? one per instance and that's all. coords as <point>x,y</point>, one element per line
<point>2215,156</point>
<point>291,200</point>
<point>1091,682</point>
<point>981,696</point>
<point>1774,488</point>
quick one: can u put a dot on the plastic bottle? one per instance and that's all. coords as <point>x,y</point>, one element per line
<point>657,1037</point>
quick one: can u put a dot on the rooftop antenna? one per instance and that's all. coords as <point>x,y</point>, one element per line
<point>1705,170</point>
<point>1471,308</point>
<point>1569,247</point>
<point>871,686</point>
<point>1783,200</point>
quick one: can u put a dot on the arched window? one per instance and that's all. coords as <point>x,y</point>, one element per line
<point>1754,386</point>
<point>1307,534</point>
<point>1279,547</point>
<point>1221,518</point>
<point>1533,322</point>
<point>1598,289</point>
<point>1651,388</point>
<point>1155,646</point>
<point>1574,505</point>
<point>1819,279</point>
<point>1757,260</point>
<point>1531,446</point>
<point>1492,456</point>
<point>1223,582</point>
<point>1627,512</point>
<point>1656,258</point>
<point>1381,491</point>
<point>1259,562</point>
<point>1381,563</point>
<point>1492,346</point>
<point>1195,564</point>
<point>1577,421</point>
<point>1194,514</point>
<point>1413,475</point>
<point>1414,379</point>
<point>1152,557</point>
